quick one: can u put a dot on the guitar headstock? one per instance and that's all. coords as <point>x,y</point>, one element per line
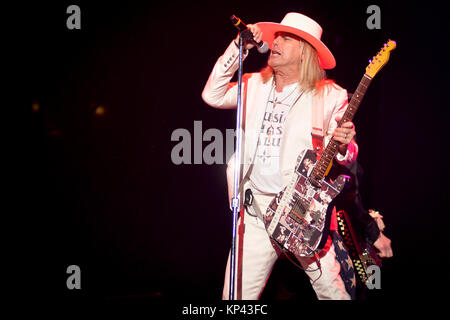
<point>380,59</point>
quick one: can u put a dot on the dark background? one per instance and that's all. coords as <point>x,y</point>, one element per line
<point>101,192</point>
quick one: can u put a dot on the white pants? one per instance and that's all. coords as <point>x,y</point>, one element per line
<point>256,255</point>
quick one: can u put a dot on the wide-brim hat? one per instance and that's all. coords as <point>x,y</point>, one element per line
<point>304,27</point>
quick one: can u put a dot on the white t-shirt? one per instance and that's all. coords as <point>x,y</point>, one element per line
<point>265,175</point>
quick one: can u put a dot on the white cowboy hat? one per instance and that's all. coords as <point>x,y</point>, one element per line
<point>304,27</point>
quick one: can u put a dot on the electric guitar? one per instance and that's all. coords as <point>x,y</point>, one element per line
<point>298,218</point>
<point>362,254</point>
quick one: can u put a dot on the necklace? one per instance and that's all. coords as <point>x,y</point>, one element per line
<point>275,102</point>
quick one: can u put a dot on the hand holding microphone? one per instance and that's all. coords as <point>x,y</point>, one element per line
<point>256,32</point>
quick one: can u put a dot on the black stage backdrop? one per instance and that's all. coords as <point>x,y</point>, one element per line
<point>96,186</point>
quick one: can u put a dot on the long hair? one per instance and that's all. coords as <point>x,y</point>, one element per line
<point>312,76</point>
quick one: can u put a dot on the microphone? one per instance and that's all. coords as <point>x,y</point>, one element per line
<point>263,47</point>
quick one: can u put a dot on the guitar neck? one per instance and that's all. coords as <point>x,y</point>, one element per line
<point>331,150</point>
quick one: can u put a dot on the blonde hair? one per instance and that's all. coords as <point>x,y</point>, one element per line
<point>310,71</point>
<point>312,76</point>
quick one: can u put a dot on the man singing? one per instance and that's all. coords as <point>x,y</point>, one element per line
<point>278,107</point>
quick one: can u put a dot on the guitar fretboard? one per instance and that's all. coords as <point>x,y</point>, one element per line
<point>332,148</point>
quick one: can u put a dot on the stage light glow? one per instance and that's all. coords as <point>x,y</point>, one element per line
<point>100,111</point>
<point>35,106</point>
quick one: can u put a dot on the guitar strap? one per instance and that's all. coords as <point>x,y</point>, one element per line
<point>317,123</point>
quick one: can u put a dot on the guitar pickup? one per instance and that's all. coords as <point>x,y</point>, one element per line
<point>298,208</point>
<point>296,216</point>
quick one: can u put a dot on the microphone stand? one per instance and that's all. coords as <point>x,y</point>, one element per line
<point>244,35</point>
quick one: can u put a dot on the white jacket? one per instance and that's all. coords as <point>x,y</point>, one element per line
<point>220,93</point>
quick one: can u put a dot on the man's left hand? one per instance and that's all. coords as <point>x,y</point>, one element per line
<point>344,135</point>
